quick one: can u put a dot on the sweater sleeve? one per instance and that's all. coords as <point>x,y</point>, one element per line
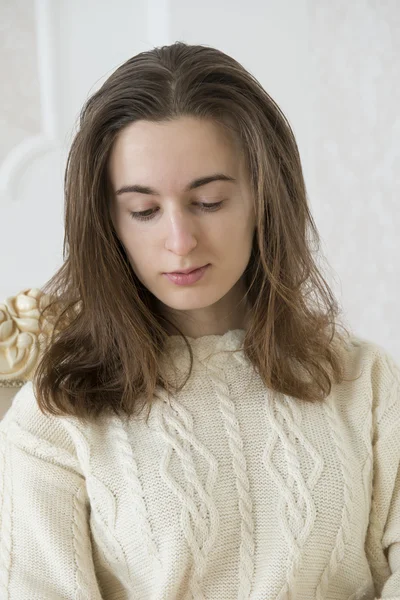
<point>45,544</point>
<point>383,541</point>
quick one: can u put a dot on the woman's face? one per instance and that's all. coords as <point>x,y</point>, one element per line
<point>163,175</point>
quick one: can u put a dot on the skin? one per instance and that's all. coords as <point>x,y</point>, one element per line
<point>167,157</point>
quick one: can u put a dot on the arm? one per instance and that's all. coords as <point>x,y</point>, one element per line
<point>391,544</point>
<point>383,542</point>
<point>45,546</point>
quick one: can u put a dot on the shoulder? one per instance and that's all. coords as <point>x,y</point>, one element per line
<point>46,436</point>
<point>376,375</point>
<point>373,360</point>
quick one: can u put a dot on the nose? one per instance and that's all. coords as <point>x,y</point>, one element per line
<point>181,238</point>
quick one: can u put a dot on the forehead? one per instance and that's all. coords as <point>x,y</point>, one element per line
<point>183,148</point>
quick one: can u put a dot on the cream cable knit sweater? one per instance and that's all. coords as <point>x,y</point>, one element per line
<point>230,491</point>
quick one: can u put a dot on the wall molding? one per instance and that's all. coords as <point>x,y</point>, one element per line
<point>31,147</point>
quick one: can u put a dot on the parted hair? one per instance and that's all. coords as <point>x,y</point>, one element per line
<point>108,334</point>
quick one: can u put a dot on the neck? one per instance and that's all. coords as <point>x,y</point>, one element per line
<point>227,314</point>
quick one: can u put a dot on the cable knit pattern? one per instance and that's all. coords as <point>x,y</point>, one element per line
<point>199,525</point>
<point>131,471</point>
<point>229,491</point>
<point>103,504</point>
<point>290,483</point>
<point>232,427</point>
<point>81,557</point>
<point>344,532</point>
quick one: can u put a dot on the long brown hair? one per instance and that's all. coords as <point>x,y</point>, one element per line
<point>108,336</point>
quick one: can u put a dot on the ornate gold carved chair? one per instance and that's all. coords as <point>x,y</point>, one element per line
<point>21,339</point>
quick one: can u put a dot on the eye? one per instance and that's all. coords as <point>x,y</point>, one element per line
<point>142,216</point>
<point>148,214</point>
<point>210,207</point>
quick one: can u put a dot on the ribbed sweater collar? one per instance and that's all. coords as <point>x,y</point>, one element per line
<point>208,347</point>
<point>231,340</point>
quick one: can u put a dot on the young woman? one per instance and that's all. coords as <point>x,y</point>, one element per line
<point>197,427</point>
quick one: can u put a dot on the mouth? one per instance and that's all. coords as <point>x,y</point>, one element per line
<point>186,271</point>
<point>189,277</point>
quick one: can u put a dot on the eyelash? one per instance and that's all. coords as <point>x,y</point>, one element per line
<point>141,216</point>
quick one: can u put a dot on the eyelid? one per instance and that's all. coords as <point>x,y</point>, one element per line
<point>213,207</point>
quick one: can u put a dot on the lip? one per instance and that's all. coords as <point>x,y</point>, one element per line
<point>185,271</point>
<point>187,278</point>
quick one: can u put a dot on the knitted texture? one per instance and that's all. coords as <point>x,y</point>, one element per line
<point>229,491</point>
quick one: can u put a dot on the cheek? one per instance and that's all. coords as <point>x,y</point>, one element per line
<point>141,253</point>
<point>131,237</point>
<point>239,231</point>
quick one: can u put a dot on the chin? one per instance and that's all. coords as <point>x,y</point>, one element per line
<point>186,305</point>
<point>197,302</point>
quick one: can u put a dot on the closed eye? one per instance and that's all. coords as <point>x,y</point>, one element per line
<point>145,215</point>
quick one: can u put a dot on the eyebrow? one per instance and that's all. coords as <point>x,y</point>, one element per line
<point>196,183</point>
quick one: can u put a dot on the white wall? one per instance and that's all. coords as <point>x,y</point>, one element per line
<point>333,67</point>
